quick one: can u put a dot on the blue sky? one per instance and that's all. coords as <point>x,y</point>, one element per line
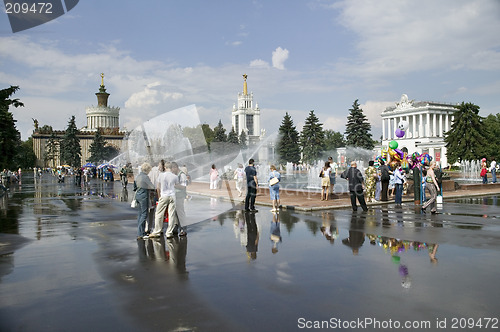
<point>159,55</point>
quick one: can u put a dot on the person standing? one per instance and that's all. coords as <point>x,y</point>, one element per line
<point>252,184</point>
<point>333,174</point>
<point>370,180</point>
<point>355,179</point>
<point>123,176</point>
<point>180,192</point>
<point>325,181</point>
<point>214,177</point>
<point>399,180</point>
<point>167,182</point>
<point>385,177</point>
<point>274,188</point>
<point>484,171</point>
<point>142,187</point>
<point>493,170</point>
<point>239,175</point>
<point>431,185</point>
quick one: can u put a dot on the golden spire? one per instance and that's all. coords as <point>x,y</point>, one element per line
<point>245,90</point>
<point>102,79</point>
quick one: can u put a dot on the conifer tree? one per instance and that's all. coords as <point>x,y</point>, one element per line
<point>51,150</point>
<point>70,146</point>
<point>97,148</point>
<point>288,144</point>
<point>220,133</point>
<point>232,137</point>
<point>357,133</point>
<point>466,139</point>
<point>10,138</point>
<point>243,140</point>
<point>312,139</point>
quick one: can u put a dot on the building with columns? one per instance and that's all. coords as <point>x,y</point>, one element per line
<point>428,121</point>
<point>100,117</point>
<point>246,117</point>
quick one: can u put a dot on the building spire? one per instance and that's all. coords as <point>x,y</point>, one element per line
<point>245,90</point>
<point>102,95</point>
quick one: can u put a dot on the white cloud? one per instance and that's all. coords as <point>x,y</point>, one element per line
<point>397,38</point>
<point>279,57</point>
<point>259,63</point>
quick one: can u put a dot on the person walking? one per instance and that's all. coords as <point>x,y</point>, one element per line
<point>325,180</point>
<point>484,171</point>
<point>493,170</point>
<point>274,188</point>
<point>431,185</point>
<point>355,179</point>
<point>239,175</point>
<point>252,184</point>
<point>370,181</point>
<point>385,177</point>
<point>214,177</point>
<point>123,176</point>
<point>142,188</point>
<point>399,179</point>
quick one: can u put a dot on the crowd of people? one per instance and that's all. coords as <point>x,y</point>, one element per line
<point>159,197</point>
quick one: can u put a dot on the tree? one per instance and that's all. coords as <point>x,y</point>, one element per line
<point>243,140</point>
<point>220,133</point>
<point>209,134</point>
<point>71,151</point>
<point>466,140</point>
<point>51,150</point>
<point>312,139</point>
<point>26,157</point>
<point>492,125</point>
<point>288,144</point>
<point>358,129</point>
<point>10,138</point>
<point>97,148</point>
<point>333,141</point>
<point>232,137</point>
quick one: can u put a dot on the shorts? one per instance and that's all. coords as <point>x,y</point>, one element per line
<point>325,182</point>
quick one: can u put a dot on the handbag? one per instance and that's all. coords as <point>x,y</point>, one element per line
<point>483,172</point>
<point>273,181</point>
<point>133,205</point>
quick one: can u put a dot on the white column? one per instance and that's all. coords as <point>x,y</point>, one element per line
<point>414,125</point>
<point>428,126</point>
<point>421,125</point>
<point>434,123</point>
<point>383,129</point>
<point>389,129</point>
<point>440,125</point>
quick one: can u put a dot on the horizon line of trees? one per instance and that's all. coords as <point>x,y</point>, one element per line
<point>471,137</point>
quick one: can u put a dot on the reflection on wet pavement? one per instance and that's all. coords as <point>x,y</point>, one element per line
<point>71,253</point>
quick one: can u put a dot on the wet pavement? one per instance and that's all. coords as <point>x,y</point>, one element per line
<point>69,261</point>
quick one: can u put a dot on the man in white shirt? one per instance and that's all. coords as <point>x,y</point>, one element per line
<point>167,181</point>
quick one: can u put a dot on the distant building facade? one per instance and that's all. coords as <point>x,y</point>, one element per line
<point>428,121</point>
<point>101,117</point>
<point>246,116</point>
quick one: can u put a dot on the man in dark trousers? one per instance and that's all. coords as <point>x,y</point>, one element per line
<point>252,184</point>
<point>355,180</point>
<point>384,180</point>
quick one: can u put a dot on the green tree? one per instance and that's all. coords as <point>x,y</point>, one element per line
<point>358,129</point>
<point>97,148</point>
<point>466,138</point>
<point>333,141</point>
<point>51,150</point>
<point>26,157</point>
<point>288,144</point>
<point>71,151</point>
<point>312,139</point>
<point>232,137</point>
<point>243,140</point>
<point>492,125</point>
<point>209,134</point>
<point>10,138</point>
<point>220,133</point>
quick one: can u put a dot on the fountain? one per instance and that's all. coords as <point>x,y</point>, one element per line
<point>470,171</point>
<point>289,169</point>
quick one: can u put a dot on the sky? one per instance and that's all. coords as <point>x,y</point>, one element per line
<point>300,55</point>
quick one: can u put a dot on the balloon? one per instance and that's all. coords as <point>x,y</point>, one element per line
<point>399,152</point>
<point>400,133</point>
<point>403,125</point>
<point>393,144</point>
